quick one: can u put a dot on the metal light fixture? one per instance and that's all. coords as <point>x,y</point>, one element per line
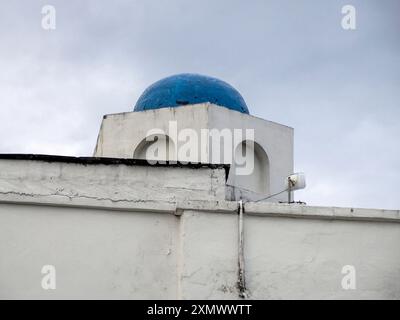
<point>295,181</point>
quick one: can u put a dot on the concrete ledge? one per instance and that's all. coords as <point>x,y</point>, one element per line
<point>105,182</point>
<point>176,208</point>
<point>330,213</point>
<point>108,161</point>
<point>92,203</point>
<point>208,206</point>
<point>226,207</point>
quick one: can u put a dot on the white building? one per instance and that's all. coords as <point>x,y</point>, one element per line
<point>121,225</point>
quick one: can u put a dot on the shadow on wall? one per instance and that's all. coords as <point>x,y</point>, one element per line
<point>158,147</point>
<point>259,179</point>
<point>155,147</point>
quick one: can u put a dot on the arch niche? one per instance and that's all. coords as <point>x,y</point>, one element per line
<point>155,147</point>
<point>258,179</point>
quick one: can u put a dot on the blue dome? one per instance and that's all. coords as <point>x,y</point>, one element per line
<point>184,89</point>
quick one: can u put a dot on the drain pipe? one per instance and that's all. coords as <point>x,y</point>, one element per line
<point>241,274</point>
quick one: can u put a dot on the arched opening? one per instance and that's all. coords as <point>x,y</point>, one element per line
<point>250,168</point>
<point>155,147</point>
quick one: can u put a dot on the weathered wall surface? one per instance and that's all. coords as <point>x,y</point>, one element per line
<point>303,259</point>
<point>113,184</point>
<point>121,134</point>
<point>208,265</point>
<point>97,254</point>
<point>296,257</point>
<point>137,253</point>
<point>168,248</point>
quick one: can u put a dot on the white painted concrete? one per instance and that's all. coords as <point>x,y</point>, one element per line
<point>179,246</point>
<point>98,254</point>
<point>303,259</point>
<point>112,184</point>
<point>124,136</point>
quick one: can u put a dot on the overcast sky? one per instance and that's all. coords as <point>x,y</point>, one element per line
<point>291,60</point>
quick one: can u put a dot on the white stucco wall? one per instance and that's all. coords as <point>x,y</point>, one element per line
<point>98,254</point>
<point>139,254</point>
<point>121,134</point>
<point>303,259</point>
<point>112,184</point>
<point>291,257</point>
<point>186,249</point>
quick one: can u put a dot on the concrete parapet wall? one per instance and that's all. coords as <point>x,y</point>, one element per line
<point>117,246</point>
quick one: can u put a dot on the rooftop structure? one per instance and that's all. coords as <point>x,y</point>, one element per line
<point>156,213</point>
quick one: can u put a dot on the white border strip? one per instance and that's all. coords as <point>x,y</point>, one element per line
<point>210,206</point>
